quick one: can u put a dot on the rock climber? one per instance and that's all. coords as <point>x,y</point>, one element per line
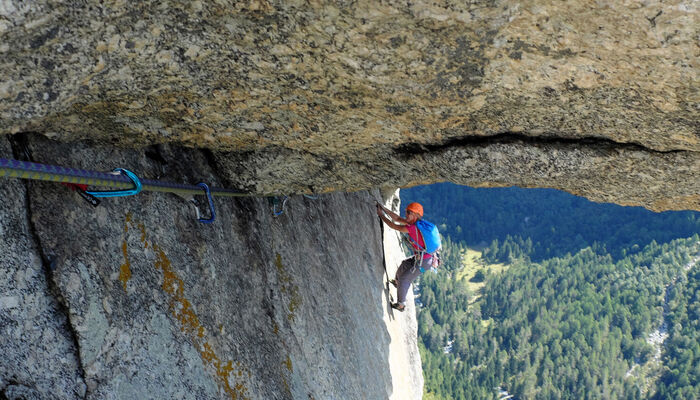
<point>410,268</point>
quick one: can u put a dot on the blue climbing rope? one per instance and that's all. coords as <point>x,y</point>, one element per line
<point>129,183</point>
<point>52,173</point>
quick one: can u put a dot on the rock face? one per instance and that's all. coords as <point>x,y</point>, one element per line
<point>404,346</point>
<point>136,299</point>
<point>39,358</point>
<point>596,98</point>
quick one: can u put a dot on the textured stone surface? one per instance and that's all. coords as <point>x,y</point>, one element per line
<point>38,354</point>
<point>598,170</point>
<point>404,356</point>
<point>250,307</point>
<point>322,96</point>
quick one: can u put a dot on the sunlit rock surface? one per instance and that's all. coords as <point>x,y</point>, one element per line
<point>136,299</point>
<point>596,98</point>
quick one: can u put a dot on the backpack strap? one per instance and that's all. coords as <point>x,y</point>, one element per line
<point>421,251</point>
<point>420,248</point>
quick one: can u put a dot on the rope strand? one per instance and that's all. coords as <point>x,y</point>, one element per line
<point>52,173</point>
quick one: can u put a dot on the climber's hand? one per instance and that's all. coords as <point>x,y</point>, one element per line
<point>380,210</point>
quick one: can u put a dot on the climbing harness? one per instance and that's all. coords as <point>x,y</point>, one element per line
<point>418,260</point>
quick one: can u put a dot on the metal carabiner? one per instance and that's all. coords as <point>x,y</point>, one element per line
<point>275,201</point>
<point>212,213</point>
<point>119,193</point>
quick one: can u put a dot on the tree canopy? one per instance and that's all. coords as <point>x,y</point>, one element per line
<point>571,315</point>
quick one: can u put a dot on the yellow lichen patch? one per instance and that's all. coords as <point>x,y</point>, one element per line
<point>287,389</point>
<point>288,287</point>
<point>181,309</point>
<point>124,269</point>
<point>183,312</point>
<point>288,364</point>
<point>142,228</point>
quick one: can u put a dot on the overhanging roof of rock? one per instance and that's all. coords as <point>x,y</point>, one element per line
<point>597,98</point>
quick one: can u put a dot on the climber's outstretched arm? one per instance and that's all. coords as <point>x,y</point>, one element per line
<point>396,222</point>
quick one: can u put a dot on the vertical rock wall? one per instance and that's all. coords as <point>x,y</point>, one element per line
<point>136,298</point>
<point>38,353</point>
<point>405,362</point>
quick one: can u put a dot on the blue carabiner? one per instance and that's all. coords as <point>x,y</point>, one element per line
<point>211,205</point>
<point>119,193</point>
<point>275,201</point>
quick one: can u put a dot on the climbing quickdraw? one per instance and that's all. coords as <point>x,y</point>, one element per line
<point>120,193</point>
<point>82,191</point>
<point>122,179</point>
<point>275,203</point>
<point>212,212</point>
<point>53,173</point>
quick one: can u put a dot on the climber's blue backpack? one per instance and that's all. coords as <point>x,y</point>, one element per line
<point>430,234</point>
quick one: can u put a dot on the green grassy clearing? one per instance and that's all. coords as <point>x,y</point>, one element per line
<point>471,263</point>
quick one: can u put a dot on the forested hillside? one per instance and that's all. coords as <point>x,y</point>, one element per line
<point>555,222</point>
<point>681,378</point>
<point>575,326</point>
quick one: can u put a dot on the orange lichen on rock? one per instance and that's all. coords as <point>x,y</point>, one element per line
<point>183,312</point>
<point>288,364</point>
<point>142,228</point>
<point>124,269</point>
<point>181,309</point>
<point>288,287</point>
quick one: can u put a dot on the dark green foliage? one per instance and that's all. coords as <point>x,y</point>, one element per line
<point>682,360</point>
<point>450,255</point>
<point>575,322</point>
<point>512,248</point>
<point>555,222</point>
<point>479,276</point>
<point>568,328</point>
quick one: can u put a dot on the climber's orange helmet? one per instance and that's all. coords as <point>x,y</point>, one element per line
<point>416,208</point>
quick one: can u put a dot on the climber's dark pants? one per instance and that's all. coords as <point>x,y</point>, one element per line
<point>407,273</point>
